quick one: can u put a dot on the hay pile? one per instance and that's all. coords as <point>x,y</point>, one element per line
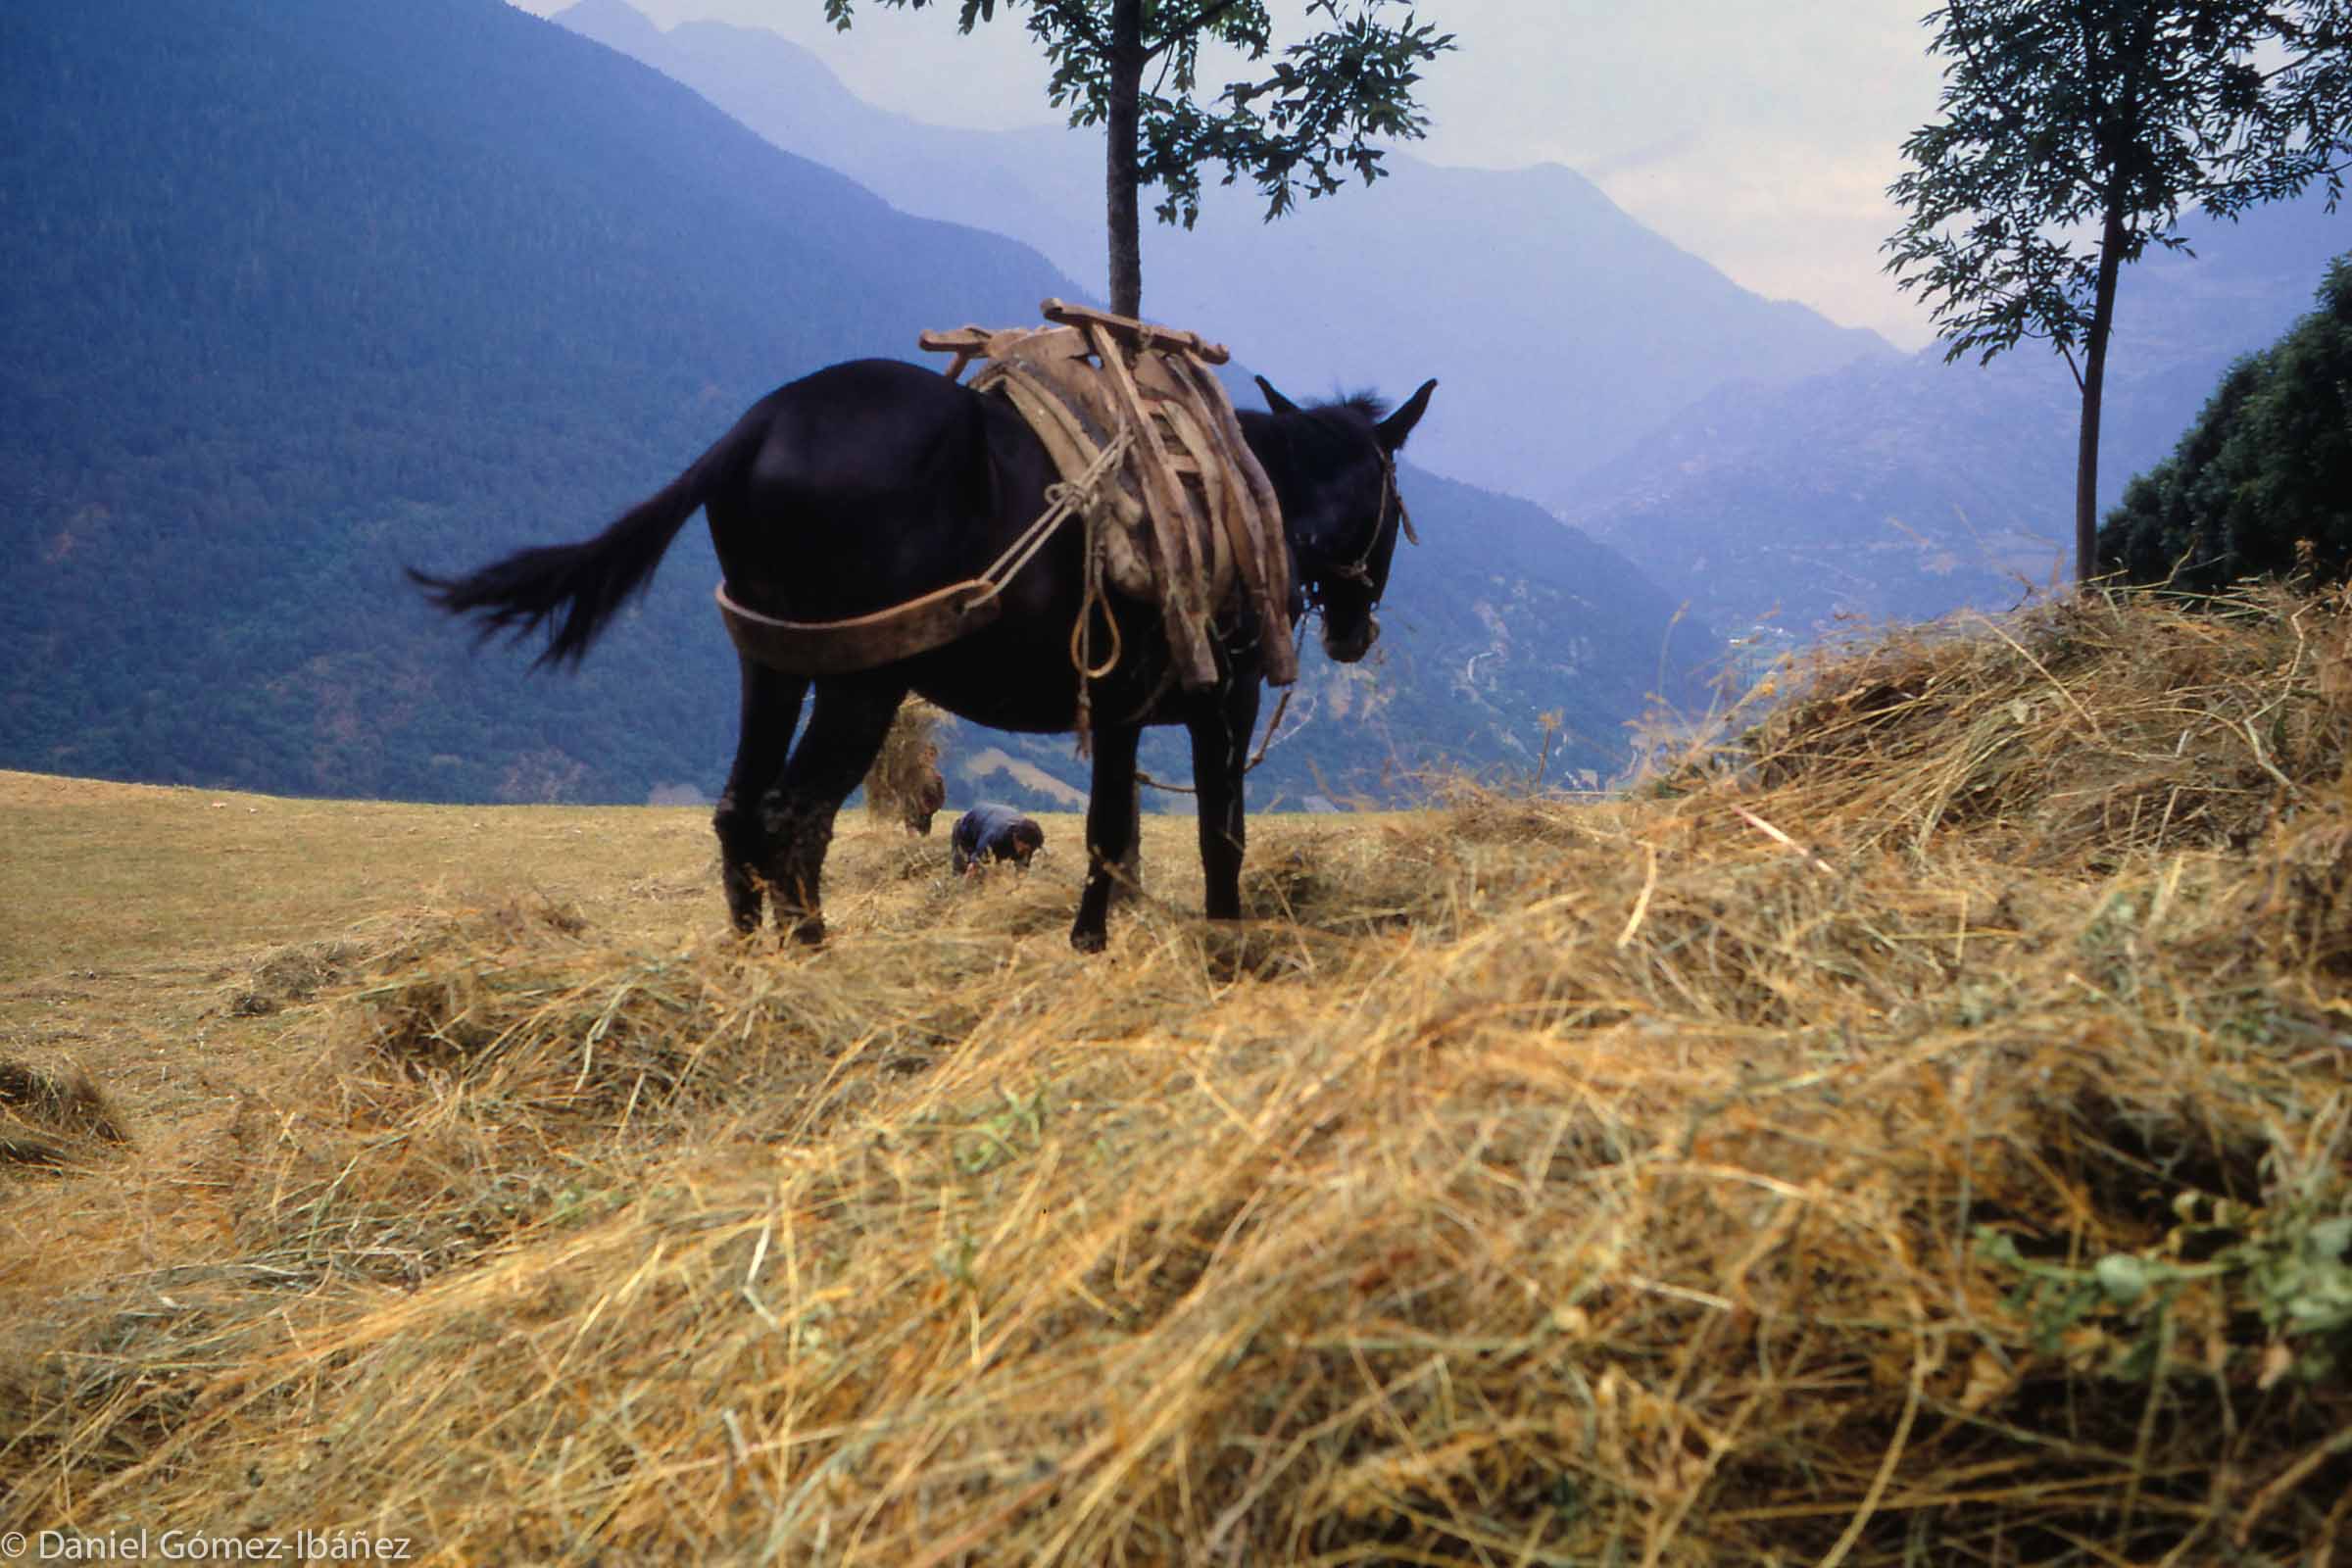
<point>904,784</point>
<point>1920,1134</point>
<point>52,1118</point>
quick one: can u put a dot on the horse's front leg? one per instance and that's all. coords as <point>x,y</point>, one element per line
<point>1220,746</point>
<point>1110,830</point>
<point>846,727</point>
<point>771,708</point>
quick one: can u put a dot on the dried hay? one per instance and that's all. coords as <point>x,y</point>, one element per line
<point>2076,733</point>
<point>292,974</point>
<point>55,1118</point>
<point>1866,1155</point>
<point>904,784</point>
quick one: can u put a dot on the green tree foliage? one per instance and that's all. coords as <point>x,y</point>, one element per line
<point>2074,134</point>
<point>2265,473</point>
<point>1303,122</point>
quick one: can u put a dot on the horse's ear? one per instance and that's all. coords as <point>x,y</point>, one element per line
<point>1396,426</point>
<point>1276,403</point>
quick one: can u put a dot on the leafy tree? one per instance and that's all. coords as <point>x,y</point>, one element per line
<point>2260,484</point>
<point>2075,131</point>
<point>1303,122</point>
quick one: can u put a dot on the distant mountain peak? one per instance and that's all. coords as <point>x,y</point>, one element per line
<point>1564,328</point>
<point>614,23</point>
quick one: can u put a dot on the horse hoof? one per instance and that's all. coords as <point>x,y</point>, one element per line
<point>1086,941</point>
<point>809,933</point>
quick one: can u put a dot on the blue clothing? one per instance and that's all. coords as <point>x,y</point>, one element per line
<point>994,832</point>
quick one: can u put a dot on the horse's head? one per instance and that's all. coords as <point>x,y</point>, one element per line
<point>1334,467</point>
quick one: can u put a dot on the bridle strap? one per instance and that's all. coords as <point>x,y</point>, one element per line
<point>1361,568</point>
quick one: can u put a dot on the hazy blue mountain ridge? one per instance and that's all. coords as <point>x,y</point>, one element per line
<point>1499,617</point>
<point>792,98</point>
<point>1909,488</point>
<point>1744,454</point>
<point>1563,330</point>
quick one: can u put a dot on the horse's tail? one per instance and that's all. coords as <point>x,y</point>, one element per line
<point>580,586</point>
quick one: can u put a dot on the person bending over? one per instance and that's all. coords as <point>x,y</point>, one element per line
<point>994,832</point>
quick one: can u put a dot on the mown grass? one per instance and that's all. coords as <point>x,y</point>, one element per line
<point>1914,1130</point>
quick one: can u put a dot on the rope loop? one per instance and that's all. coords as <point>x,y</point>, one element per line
<point>1082,494</point>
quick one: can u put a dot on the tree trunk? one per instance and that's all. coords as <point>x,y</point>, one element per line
<point>2095,379</point>
<point>1123,129</point>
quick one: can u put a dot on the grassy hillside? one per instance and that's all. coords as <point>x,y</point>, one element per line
<point>2256,485</point>
<point>1914,1132</point>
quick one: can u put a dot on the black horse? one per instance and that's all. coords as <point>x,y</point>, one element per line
<point>874,482</point>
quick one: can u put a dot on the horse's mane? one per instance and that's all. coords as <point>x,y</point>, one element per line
<point>1371,405</point>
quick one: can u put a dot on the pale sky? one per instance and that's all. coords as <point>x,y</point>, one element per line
<point>1760,135</point>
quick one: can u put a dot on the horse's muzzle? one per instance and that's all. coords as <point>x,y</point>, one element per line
<point>1346,650</point>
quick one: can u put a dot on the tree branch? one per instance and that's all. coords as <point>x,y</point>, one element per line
<point>1173,32</point>
<point>2068,354</point>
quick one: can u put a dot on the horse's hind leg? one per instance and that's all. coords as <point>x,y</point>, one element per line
<point>771,708</point>
<point>852,715</point>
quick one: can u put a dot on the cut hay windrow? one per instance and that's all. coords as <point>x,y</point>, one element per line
<point>2074,732</point>
<point>1850,1154</point>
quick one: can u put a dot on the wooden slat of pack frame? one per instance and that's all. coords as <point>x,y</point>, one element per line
<point>1236,512</point>
<point>1199,461</point>
<point>956,340</point>
<point>1175,525</point>
<point>964,342</point>
<point>1141,334</point>
<point>1263,522</point>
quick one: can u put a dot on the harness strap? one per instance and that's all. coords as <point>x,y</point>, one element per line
<point>937,619</point>
<point>1361,568</point>
<point>863,642</point>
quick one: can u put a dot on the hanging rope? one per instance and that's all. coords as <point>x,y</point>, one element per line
<point>1081,495</point>
<point>1082,630</point>
<point>1273,724</point>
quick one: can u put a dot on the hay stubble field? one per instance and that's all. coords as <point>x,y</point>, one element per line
<point>1917,1133</point>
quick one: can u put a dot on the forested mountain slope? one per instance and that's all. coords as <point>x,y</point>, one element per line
<point>299,294</point>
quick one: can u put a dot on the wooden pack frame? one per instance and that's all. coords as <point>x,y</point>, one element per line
<point>1190,516</point>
